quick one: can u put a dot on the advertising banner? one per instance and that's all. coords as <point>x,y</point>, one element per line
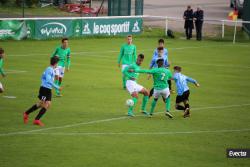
<point>12,29</point>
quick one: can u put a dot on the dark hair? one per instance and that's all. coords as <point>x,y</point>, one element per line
<point>160,48</point>
<point>1,51</point>
<point>141,56</point>
<point>64,39</point>
<point>160,62</point>
<point>161,40</point>
<point>177,68</point>
<point>129,36</point>
<point>54,60</point>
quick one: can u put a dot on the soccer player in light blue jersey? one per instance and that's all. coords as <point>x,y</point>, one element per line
<point>183,90</point>
<point>45,93</point>
<point>164,55</point>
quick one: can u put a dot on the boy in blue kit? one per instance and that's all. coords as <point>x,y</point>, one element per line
<point>183,90</point>
<point>44,93</point>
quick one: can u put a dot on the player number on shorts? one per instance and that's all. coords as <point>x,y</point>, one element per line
<point>163,76</point>
<point>43,98</point>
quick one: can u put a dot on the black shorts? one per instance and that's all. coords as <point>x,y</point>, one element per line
<point>45,94</point>
<point>183,97</point>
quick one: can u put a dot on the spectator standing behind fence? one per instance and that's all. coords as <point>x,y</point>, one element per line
<point>189,25</point>
<point>198,17</point>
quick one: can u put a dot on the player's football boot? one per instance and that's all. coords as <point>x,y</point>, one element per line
<point>131,114</point>
<point>186,113</point>
<point>38,122</point>
<point>145,112</point>
<point>168,114</point>
<point>25,118</point>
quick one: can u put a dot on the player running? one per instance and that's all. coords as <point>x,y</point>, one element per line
<point>1,68</point>
<point>161,76</point>
<point>44,93</point>
<point>63,52</point>
<point>133,87</point>
<point>183,90</point>
<point>127,56</point>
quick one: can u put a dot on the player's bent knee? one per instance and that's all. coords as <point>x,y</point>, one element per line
<point>134,94</point>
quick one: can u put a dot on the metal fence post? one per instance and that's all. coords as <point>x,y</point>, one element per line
<point>223,29</point>
<point>166,26</point>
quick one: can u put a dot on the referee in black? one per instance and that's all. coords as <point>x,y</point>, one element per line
<point>198,17</point>
<point>189,25</point>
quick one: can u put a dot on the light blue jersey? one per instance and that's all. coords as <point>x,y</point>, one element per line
<point>48,78</point>
<point>155,57</point>
<point>182,82</point>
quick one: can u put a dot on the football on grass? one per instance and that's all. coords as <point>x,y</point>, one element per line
<point>129,102</point>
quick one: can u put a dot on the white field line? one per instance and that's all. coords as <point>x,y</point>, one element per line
<point>108,120</point>
<point>117,51</point>
<point>100,52</point>
<point>138,133</point>
<point>216,65</point>
<point>14,71</point>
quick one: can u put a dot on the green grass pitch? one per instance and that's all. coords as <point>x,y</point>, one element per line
<point>88,126</point>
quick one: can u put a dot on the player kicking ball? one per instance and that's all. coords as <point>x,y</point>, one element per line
<point>183,90</point>
<point>133,87</point>
<point>161,75</point>
<point>1,68</point>
<point>45,93</point>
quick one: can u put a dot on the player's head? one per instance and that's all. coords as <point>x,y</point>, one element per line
<point>160,62</point>
<point>177,68</point>
<point>188,7</point>
<point>1,53</point>
<point>65,42</point>
<point>161,42</point>
<point>54,60</point>
<point>129,39</point>
<point>160,51</point>
<point>140,59</point>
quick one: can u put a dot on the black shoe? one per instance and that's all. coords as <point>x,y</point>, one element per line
<point>186,113</point>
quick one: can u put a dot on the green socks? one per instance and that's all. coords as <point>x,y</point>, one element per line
<point>168,104</point>
<point>153,106</point>
<point>130,109</point>
<point>144,103</point>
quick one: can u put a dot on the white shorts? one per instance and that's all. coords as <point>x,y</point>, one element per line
<point>164,93</point>
<point>132,86</point>
<point>59,71</point>
<point>124,66</point>
<point>1,87</point>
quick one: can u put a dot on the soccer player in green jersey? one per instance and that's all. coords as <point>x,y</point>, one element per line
<point>127,57</point>
<point>1,68</point>
<point>161,76</point>
<point>63,52</point>
<point>133,87</point>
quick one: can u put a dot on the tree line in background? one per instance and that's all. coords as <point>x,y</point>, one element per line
<point>19,3</point>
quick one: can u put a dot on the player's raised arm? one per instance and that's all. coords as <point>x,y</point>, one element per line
<point>193,81</point>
